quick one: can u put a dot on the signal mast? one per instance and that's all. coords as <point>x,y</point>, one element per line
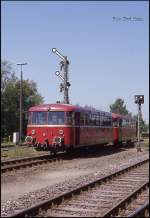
<point>64,86</point>
<point>139,99</point>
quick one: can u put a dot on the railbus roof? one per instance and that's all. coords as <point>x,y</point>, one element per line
<point>65,107</point>
<point>120,116</point>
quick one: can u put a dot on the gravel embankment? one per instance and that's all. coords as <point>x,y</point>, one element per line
<point>93,168</point>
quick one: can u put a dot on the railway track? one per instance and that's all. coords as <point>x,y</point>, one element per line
<point>109,196</point>
<point>28,161</point>
<point>13,146</point>
<point>142,211</point>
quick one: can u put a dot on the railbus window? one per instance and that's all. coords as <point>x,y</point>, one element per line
<point>127,123</point>
<point>97,119</point>
<point>123,123</point>
<point>41,117</point>
<point>109,121</point>
<point>69,118</point>
<point>34,117</point>
<point>87,119</point>
<point>92,119</point>
<point>120,123</point>
<point>101,120</point>
<point>38,117</point>
<point>95,116</point>
<point>82,116</point>
<point>105,121</point>
<point>56,117</point>
<point>115,123</point>
<point>30,117</point>
<point>77,118</point>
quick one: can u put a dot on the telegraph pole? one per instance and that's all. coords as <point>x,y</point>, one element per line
<point>64,64</point>
<point>20,123</point>
<point>139,99</point>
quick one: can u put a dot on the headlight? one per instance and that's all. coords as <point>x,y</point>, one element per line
<point>61,131</point>
<point>28,139</point>
<point>33,132</point>
<point>58,140</point>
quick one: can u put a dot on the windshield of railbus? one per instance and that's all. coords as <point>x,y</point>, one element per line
<point>50,118</point>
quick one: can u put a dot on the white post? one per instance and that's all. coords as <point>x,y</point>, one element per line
<point>138,145</point>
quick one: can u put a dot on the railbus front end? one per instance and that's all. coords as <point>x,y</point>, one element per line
<point>50,128</point>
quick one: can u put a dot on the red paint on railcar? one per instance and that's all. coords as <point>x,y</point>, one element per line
<point>63,126</point>
<point>124,128</point>
<point>116,129</point>
<point>80,127</point>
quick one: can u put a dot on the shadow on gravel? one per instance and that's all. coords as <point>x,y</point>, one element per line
<point>97,151</point>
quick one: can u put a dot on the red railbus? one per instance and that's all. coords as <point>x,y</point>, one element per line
<point>61,127</point>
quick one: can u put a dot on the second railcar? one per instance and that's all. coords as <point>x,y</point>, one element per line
<point>124,129</point>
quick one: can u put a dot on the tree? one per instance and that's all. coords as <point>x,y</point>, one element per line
<point>7,74</point>
<point>10,99</point>
<point>119,107</point>
<point>143,126</point>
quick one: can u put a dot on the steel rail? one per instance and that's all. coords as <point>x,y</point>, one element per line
<point>13,145</point>
<point>140,212</point>
<point>121,205</point>
<point>25,162</point>
<point>7,146</point>
<point>7,162</point>
<point>32,211</point>
<point>20,160</point>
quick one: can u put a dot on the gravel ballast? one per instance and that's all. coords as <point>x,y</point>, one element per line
<point>37,184</point>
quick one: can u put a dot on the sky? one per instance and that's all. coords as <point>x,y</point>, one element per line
<point>105,42</point>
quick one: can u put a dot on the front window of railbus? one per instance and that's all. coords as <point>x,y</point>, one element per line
<point>56,117</point>
<point>30,117</point>
<point>41,117</point>
<point>60,118</point>
<point>37,117</point>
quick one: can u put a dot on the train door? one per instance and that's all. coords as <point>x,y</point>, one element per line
<point>120,130</point>
<point>77,128</point>
<point>115,131</point>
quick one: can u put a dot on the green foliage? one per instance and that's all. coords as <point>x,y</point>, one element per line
<point>7,75</point>
<point>20,152</point>
<point>143,126</point>
<point>10,99</point>
<point>119,107</point>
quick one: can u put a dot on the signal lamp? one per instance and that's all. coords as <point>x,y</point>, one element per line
<point>57,73</point>
<point>54,50</point>
<point>139,99</point>
<point>68,84</point>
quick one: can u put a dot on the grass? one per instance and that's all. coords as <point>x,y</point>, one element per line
<point>20,152</point>
<point>145,144</point>
<point>7,144</point>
